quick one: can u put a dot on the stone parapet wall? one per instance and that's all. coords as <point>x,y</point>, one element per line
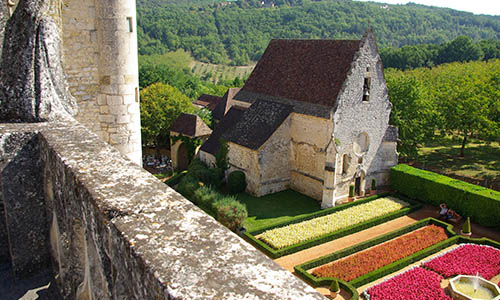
<point>116,232</point>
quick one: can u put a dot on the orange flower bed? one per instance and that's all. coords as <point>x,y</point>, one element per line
<point>361,263</point>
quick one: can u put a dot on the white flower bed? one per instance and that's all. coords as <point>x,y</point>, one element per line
<point>296,233</point>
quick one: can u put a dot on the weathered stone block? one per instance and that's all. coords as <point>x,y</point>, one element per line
<point>23,202</point>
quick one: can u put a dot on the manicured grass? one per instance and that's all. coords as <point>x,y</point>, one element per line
<point>481,161</point>
<point>276,208</point>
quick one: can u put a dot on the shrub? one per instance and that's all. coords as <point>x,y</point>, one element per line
<point>205,197</point>
<point>187,186</point>
<point>480,203</point>
<point>236,182</point>
<point>466,227</point>
<point>351,191</point>
<point>230,212</point>
<point>374,184</point>
<point>334,287</point>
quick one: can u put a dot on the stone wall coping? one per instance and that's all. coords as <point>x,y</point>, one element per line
<point>189,253</point>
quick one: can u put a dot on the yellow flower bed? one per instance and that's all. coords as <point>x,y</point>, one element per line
<point>296,233</point>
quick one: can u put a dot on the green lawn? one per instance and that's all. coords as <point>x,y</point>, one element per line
<point>481,161</point>
<point>276,208</point>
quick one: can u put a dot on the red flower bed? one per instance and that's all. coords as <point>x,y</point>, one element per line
<point>414,284</point>
<point>467,259</point>
<point>361,263</point>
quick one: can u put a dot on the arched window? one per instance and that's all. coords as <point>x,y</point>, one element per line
<point>345,163</point>
<point>366,85</point>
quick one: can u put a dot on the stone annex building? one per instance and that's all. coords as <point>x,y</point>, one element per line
<point>313,116</point>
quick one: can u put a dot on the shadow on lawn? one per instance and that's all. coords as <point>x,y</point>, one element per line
<point>277,207</point>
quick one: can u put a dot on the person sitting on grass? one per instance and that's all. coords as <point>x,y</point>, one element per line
<point>443,211</point>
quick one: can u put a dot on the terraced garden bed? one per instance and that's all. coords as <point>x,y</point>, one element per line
<point>361,263</point>
<point>376,258</point>
<point>326,225</point>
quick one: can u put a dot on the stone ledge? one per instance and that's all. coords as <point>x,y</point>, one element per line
<point>141,232</point>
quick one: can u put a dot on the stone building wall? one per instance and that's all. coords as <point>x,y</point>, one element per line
<point>116,232</point>
<point>354,116</point>
<point>274,161</point>
<point>244,159</point>
<point>310,136</point>
<point>100,56</point>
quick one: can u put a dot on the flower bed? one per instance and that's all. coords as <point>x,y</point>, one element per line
<point>467,259</point>
<point>376,257</point>
<point>414,284</point>
<point>296,233</point>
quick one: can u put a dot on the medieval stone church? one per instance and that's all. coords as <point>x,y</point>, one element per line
<point>313,116</point>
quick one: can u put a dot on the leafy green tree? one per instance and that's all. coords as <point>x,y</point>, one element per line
<point>463,94</point>
<point>161,104</point>
<point>461,49</point>
<point>411,113</point>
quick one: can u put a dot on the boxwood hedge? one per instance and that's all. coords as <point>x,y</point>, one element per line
<point>481,204</point>
<point>275,253</point>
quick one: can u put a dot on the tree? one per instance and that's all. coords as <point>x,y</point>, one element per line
<point>463,100</point>
<point>161,104</point>
<point>411,113</point>
<point>461,49</point>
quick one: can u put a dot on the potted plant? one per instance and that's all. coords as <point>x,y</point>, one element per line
<point>351,193</point>
<point>374,186</point>
<point>466,228</point>
<point>334,289</point>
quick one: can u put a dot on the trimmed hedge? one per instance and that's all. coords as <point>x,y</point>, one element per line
<point>275,253</point>
<point>480,203</point>
<point>302,269</point>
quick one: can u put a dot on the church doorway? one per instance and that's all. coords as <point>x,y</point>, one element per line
<point>357,186</point>
<point>182,157</point>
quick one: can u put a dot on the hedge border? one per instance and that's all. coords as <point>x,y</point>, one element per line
<point>479,203</point>
<point>301,269</point>
<point>276,253</point>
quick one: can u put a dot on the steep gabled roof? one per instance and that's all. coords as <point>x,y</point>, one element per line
<point>207,101</point>
<point>310,71</point>
<point>212,145</point>
<point>258,123</point>
<point>225,104</point>
<point>190,125</point>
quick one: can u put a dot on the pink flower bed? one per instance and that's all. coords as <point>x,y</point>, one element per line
<point>467,259</point>
<point>414,284</point>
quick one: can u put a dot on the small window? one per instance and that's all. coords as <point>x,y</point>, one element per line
<point>345,163</point>
<point>366,89</point>
<point>130,24</point>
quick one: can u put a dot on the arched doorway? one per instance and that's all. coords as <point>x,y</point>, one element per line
<point>182,157</point>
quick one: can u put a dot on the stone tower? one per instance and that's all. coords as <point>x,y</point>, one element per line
<point>100,59</point>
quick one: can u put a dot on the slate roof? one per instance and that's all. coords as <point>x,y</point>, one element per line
<point>391,134</point>
<point>225,104</point>
<point>258,123</point>
<point>190,125</point>
<point>310,71</point>
<point>207,101</point>
<point>212,145</point>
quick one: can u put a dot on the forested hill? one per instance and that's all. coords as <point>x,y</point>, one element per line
<point>237,32</point>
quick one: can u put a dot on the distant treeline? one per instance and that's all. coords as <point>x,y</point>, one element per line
<point>461,49</point>
<point>236,33</point>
